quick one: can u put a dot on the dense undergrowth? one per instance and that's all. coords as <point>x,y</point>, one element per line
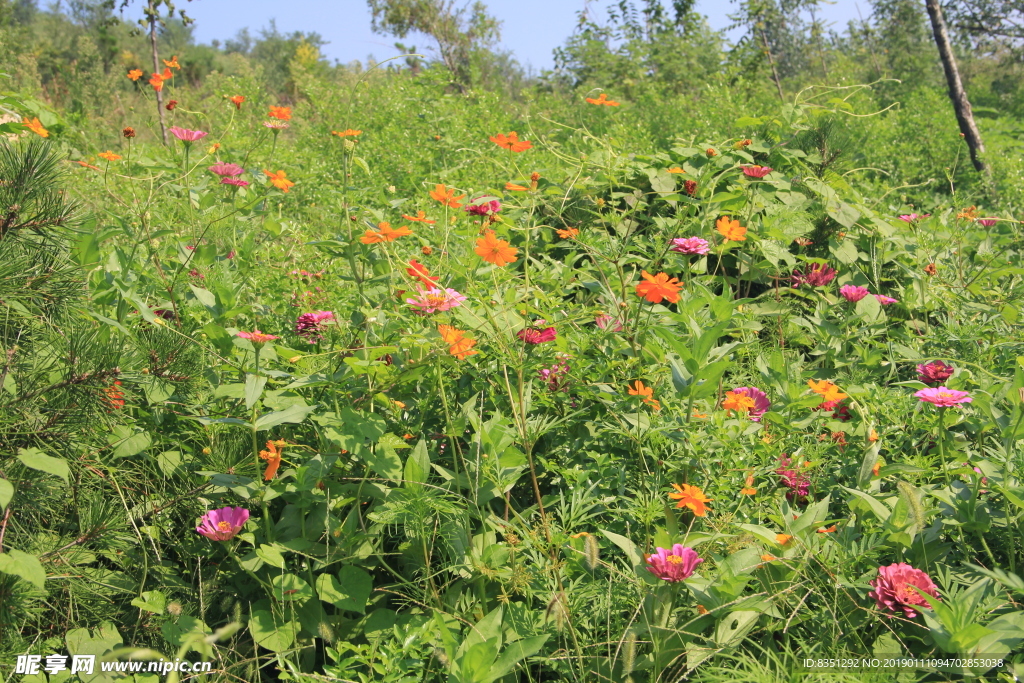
<point>464,388</point>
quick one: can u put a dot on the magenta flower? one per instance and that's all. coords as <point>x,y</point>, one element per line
<point>532,335</point>
<point>673,565</point>
<point>484,208</point>
<point>690,245</point>
<point>761,402</point>
<point>935,372</point>
<point>756,171</point>
<point>223,524</point>
<point>839,411</point>
<point>556,376</point>
<point>943,396</point>
<point>886,300</point>
<point>309,326</point>
<point>911,217</point>
<point>853,293</point>
<point>237,182</point>
<point>793,479</point>
<point>257,337</point>
<point>894,589</point>
<point>186,135</point>
<point>818,275</point>
<point>605,321</point>
<point>436,299</point>
<point>222,169</point>
<point>988,222</point>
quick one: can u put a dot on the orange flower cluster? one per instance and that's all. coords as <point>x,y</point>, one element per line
<point>568,233</point>
<point>602,99</point>
<point>511,142</point>
<point>731,230</point>
<point>827,390</point>
<point>279,180</point>
<point>114,396</point>
<point>655,288</point>
<point>459,345</point>
<point>640,389</point>
<point>446,196</point>
<point>135,74</point>
<point>173,63</point>
<point>237,101</point>
<point>273,457</point>
<point>418,271</point>
<point>281,113</point>
<point>348,132</point>
<point>494,250</point>
<point>748,489</point>
<point>109,156</point>
<point>690,497</point>
<point>35,126</point>
<point>676,169</point>
<point>157,80</point>
<point>420,217</point>
<point>385,233</point>
<point>741,403</point>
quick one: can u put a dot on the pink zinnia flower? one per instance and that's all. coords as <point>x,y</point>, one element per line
<point>222,169</point>
<point>911,217</point>
<point>186,135</point>
<point>761,402</point>
<point>309,326</point>
<point>257,337</point>
<point>853,293</point>
<point>935,372</point>
<point>484,208</point>
<point>556,376</point>
<point>894,589</point>
<point>275,125</point>
<point>690,245</point>
<point>796,481</point>
<point>818,275</point>
<point>237,182</point>
<point>988,222</point>
<point>943,396</point>
<point>756,171</point>
<point>839,411</point>
<point>604,321</point>
<point>532,335</point>
<point>436,299</point>
<point>886,300</point>
<point>223,524</point>
<point>673,565</point>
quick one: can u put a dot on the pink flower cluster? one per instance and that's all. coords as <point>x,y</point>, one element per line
<point>436,299</point>
<point>309,326</point>
<point>854,293</point>
<point>943,396</point>
<point>911,217</point>
<point>818,275</point>
<point>556,376</point>
<point>690,245</point>
<point>793,479</point>
<point>934,373</point>
<point>533,335</point>
<point>895,589</point>
<point>229,173</point>
<point>186,135</point>
<point>605,322</point>
<point>761,402</point>
<point>223,524</point>
<point>673,565</point>
<point>484,208</point>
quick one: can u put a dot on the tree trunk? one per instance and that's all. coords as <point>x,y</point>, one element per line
<point>151,16</point>
<point>961,105</point>
<point>771,62</point>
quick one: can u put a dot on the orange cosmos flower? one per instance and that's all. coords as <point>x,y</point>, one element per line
<point>348,132</point>
<point>876,469</point>
<point>731,230</point>
<point>95,168</point>
<point>512,187</point>
<point>135,74</point>
<point>419,271</point>
<point>748,491</point>
<point>768,557</point>
<point>446,196</point>
<point>829,530</point>
<point>639,389</point>
<point>658,287</point>
<point>568,233</point>
<point>827,390</point>
<point>281,113</point>
<point>279,180</point>
<point>109,156</point>
<point>602,99</point>
<point>872,435</point>
<point>741,403</point>
<point>783,539</point>
<point>273,457</point>
<point>676,169</point>
<point>35,126</point>
<point>237,101</point>
<point>511,142</point>
<point>494,250</point>
<point>690,497</point>
<point>459,345</point>
<point>173,63</point>
<point>385,233</point>
<point>420,217</point>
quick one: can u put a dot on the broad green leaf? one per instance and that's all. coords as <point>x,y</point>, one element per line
<point>513,654</point>
<point>6,493</point>
<point>290,587</point>
<point>23,565</point>
<point>627,546</point>
<point>204,296</point>
<point>417,465</point>
<point>133,445</point>
<point>271,555</point>
<point>151,601</point>
<point>37,460</point>
<point>293,414</point>
<point>349,590</point>
<point>276,635</point>
<point>253,389</point>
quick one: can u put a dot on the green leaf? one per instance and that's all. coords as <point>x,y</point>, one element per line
<point>876,506</point>
<point>513,654</point>
<point>23,565</point>
<point>133,445</point>
<point>290,587</point>
<point>37,460</point>
<point>350,590</point>
<point>270,633</point>
<point>157,390</point>
<point>6,493</point>
<point>361,163</point>
<point>293,414</point>
<point>151,601</point>
<point>204,296</point>
<point>271,555</point>
<point>627,546</point>
<point>176,632</point>
<point>253,389</point>
<point>417,465</point>
<point>867,465</point>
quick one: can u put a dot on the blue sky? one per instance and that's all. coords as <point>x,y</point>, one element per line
<point>531,28</point>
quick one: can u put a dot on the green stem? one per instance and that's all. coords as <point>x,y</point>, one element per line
<point>940,436</point>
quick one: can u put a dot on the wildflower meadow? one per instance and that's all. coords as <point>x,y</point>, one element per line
<point>373,378</point>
